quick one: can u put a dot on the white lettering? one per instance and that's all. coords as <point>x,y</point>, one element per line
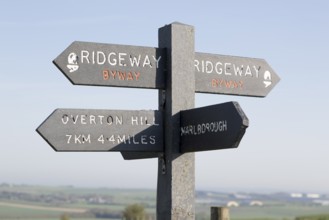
<point>121,59</point>
<point>101,117</point>
<point>143,139</point>
<point>101,139</point>
<point>196,64</point>
<point>84,56</point>
<point>202,62</point>
<point>68,138</point>
<point>92,119</point>
<point>248,71</point>
<point>112,61</point>
<point>199,129</point>
<point>209,67</point>
<point>65,119</point>
<point>238,70</point>
<point>219,70</point>
<point>83,119</point>
<point>226,68</point>
<point>86,139</point>
<point>134,61</point>
<point>118,120</point>
<point>134,120</point>
<point>111,139</point>
<point>77,139</point>
<point>154,123</point>
<point>147,61</point>
<point>75,119</point>
<point>109,120</point>
<point>157,60</point>
<point>152,139</point>
<point>257,71</point>
<point>121,139</point>
<point>99,55</point>
<point>134,141</point>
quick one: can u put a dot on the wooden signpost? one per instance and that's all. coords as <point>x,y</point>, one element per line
<point>176,130</point>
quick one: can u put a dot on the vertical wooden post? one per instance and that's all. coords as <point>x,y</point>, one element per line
<point>220,213</point>
<point>176,172</point>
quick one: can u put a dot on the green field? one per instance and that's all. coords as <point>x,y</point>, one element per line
<point>10,213</point>
<point>275,212</point>
<point>13,212</point>
<point>240,213</point>
<point>50,203</point>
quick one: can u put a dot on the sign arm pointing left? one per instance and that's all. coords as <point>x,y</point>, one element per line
<point>103,130</point>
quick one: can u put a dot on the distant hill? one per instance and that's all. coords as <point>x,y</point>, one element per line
<point>25,201</point>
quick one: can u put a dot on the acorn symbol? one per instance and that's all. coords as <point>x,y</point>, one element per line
<point>267,78</point>
<point>72,61</point>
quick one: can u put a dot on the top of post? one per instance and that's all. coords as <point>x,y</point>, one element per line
<point>177,24</point>
<point>180,23</point>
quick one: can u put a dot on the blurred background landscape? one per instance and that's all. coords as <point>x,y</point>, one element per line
<point>279,171</point>
<point>49,203</point>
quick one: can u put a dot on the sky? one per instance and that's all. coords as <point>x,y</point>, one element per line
<point>285,147</point>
